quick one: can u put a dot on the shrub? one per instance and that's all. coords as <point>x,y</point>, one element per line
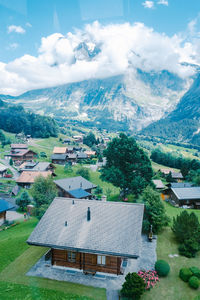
<point>185,274</point>
<point>189,248</point>
<point>194,282</point>
<point>195,271</point>
<point>162,268</point>
<point>133,287</point>
<point>197,297</point>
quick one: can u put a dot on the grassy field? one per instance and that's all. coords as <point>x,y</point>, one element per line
<point>172,287</point>
<point>16,258</point>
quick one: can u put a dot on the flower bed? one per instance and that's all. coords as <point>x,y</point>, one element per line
<point>150,278</point>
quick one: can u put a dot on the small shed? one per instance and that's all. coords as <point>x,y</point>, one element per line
<point>4,206</point>
<point>3,170</point>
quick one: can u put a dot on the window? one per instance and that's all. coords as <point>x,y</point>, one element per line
<point>71,256</point>
<point>101,260</point>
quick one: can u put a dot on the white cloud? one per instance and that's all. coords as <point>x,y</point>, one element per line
<point>98,51</point>
<point>163,2</point>
<point>17,29</point>
<point>148,4</point>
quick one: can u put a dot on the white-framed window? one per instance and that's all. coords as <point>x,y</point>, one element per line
<point>71,256</point>
<point>101,259</point>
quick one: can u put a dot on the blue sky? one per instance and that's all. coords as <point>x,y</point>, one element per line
<point>27,28</point>
<point>43,17</point>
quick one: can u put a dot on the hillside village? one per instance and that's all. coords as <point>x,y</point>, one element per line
<point>93,233</point>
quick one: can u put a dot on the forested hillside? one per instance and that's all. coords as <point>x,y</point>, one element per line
<point>13,118</point>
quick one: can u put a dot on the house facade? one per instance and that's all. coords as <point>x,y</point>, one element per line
<point>90,235</point>
<point>88,262</point>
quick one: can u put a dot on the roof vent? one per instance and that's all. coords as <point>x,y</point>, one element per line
<point>66,223</point>
<point>81,184</point>
<point>88,214</point>
<point>69,187</point>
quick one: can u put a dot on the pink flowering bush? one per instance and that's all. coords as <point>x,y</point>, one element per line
<point>150,278</point>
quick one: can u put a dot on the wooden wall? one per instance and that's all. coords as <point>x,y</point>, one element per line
<point>86,262</point>
<point>3,215</point>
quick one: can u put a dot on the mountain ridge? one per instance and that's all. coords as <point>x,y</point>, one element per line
<point>134,99</point>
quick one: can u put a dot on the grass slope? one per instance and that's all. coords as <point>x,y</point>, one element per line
<point>16,258</point>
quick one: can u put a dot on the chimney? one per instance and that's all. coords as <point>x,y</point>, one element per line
<point>66,223</point>
<point>88,214</point>
<point>73,202</point>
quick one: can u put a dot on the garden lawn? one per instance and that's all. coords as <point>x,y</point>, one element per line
<point>16,258</point>
<point>172,287</point>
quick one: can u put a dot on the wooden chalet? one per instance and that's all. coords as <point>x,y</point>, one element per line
<point>23,155</point>
<point>27,178</point>
<point>189,196</point>
<point>92,236</point>
<point>4,207</point>
<point>59,159</point>
<point>75,187</point>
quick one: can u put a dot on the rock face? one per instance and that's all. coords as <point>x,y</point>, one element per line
<point>130,101</point>
<point>183,123</point>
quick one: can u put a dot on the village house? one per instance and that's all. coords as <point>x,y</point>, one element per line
<point>27,178</point>
<point>4,207</point>
<point>177,176</point>
<point>22,155</point>
<point>168,191</point>
<point>59,159</point>
<point>37,166</point>
<point>92,236</point>
<point>189,196</point>
<point>75,187</point>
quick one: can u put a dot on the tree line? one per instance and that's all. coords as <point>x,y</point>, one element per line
<point>172,161</point>
<point>16,120</point>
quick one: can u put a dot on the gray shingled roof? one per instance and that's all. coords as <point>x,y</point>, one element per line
<point>41,166</point>
<point>114,228</point>
<point>59,156</point>
<point>74,183</point>
<point>187,193</point>
<point>180,184</point>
